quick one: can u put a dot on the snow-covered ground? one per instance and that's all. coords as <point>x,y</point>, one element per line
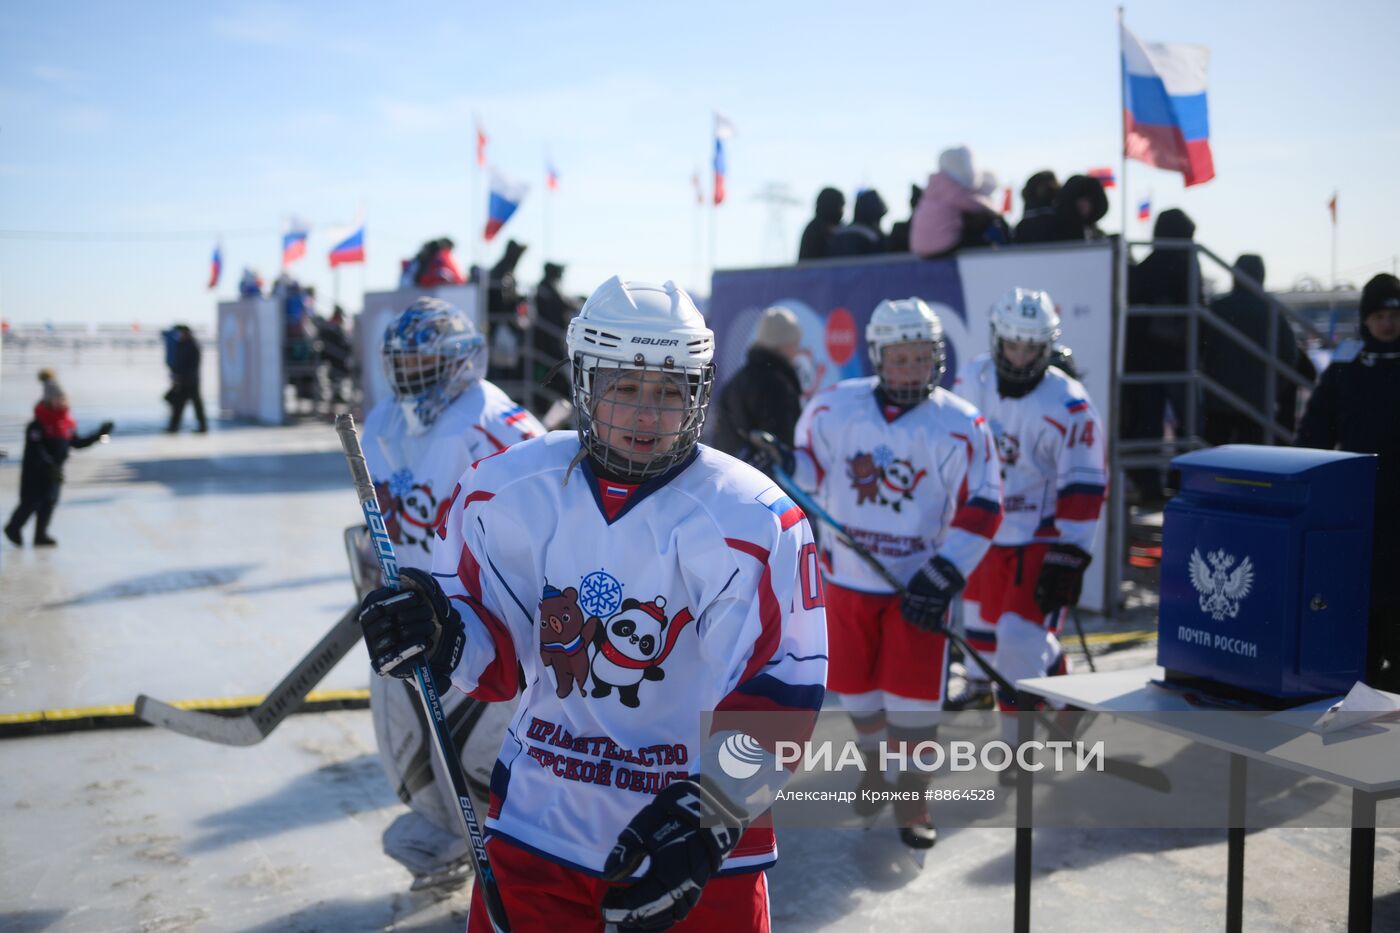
<point>206,566</point>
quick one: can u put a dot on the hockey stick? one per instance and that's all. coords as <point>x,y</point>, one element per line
<point>427,689</point>
<point>252,727</point>
<point>1143,775</point>
<point>1083,642</point>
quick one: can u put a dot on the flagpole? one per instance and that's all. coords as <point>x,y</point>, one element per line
<point>544,210</point>
<point>697,220</point>
<point>474,228</point>
<point>1334,241</point>
<point>1123,135</point>
<point>714,235</point>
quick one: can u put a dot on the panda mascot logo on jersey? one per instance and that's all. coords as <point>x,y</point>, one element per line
<point>631,647</point>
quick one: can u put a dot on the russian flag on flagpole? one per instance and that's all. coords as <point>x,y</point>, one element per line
<point>551,176</point>
<point>216,265</point>
<point>1145,208</point>
<point>1105,176</point>
<point>723,130</point>
<point>506,196</point>
<point>1165,120</point>
<point>349,250</point>
<point>294,241</point>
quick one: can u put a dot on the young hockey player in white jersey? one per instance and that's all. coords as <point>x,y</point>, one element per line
<point>908,469</point>
<point>631,580</point>
<point>441,418</point>
<point>1052,450</point>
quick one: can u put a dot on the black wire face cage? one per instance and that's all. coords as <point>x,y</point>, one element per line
<point>1020,376</point>
<point>619,402</point>
<point>914,394</point>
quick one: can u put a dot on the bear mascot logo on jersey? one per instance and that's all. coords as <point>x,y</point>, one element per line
<point>865,477</point>
<point>631,647</point>
<point>565,634</point>
<point>882,478</point>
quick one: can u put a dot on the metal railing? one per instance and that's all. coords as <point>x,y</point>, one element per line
<point>1156,453</point>
<point>523,379</point>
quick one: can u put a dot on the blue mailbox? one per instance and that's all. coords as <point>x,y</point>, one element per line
<point>1266,563</point>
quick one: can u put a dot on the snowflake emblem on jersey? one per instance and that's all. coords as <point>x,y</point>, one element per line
<point>401,483</point>
<point>883,457</point>
<point>1221,589</point>
<point>600,594</point>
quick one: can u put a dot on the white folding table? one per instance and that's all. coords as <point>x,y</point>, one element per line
<point>1365,759</point>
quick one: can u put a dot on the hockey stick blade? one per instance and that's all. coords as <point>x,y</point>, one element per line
<point>252,727</point>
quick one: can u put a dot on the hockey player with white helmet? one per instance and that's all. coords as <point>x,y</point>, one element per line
<point>908,469</point>
<point>1052,451</point>
<point>441,417</point>
<point>622,580</point>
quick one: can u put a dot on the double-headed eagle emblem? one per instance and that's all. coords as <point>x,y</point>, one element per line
<point>1220,587</point>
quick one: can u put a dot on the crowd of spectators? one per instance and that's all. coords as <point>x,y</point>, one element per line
<point>955,209</point>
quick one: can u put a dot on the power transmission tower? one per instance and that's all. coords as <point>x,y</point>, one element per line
<point>780,199</point>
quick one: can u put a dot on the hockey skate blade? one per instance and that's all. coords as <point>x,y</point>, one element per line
<point>222,730</point>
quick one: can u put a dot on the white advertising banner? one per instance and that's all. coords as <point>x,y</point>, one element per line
<point>250,335</point>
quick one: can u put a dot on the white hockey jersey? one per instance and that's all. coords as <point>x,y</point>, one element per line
<point>1052,451</point>
<point>630,611</point>
<point>413,473</point>
<point>907,484</point>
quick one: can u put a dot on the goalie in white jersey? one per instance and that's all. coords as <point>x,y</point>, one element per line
<point>622,581</point>
<point>907,467</point>
<point>1052,450</point>
<point>441,417</point>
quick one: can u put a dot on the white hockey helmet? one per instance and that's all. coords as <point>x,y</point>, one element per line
<point>1024,316</point>
<point>906,320</point>
<point>431,354</point>
<point>640,327</point>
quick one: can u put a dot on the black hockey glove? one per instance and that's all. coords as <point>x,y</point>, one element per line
<point>1061,577</point>
<point>414,623</point>
<point>765,451</point>
<point>687,831</point>
<point>930,593</point>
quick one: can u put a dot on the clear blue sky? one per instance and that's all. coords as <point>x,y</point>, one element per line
<point>152,118</point>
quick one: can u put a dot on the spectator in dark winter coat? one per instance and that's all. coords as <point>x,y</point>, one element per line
<point>1236,369</point>
<point>1356,407</point>
<point>862,236</point>
<point>1158,344</point>
<point>899,233</point>
<point>504,308</point>
<point>554,310</point>
<point>816,238</point>
<point>184,375</point>
<point>47,441</point>
<point>1037,200</point>
<point>1074,214</point>
<point>765,393</point>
